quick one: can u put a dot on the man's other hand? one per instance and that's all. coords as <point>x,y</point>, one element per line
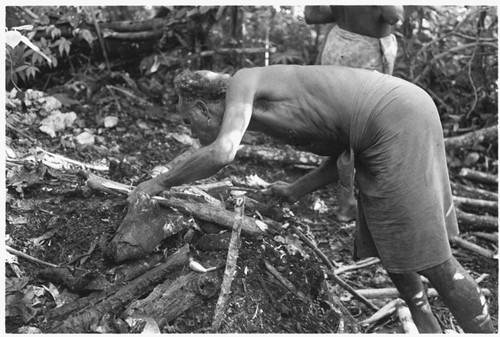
<point>282,190</point>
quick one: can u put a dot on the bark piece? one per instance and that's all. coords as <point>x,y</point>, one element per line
<point>173,297</point>
<point>146,224</point>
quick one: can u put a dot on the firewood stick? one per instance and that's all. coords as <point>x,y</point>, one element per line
<point>484,205</point>
<point>405,318</point>
<point>29,258</point>
<point>472,192</point>
<point>472,247</point>
<point>360,264</point>
<point>393,292</point>
<point>493,237</point>
<point>468,221</point>
<point>232,258</point>
<point>289,285</point>
<point>332,274</point>
<point>467,140</point>
<point>478,176</point>
<point>385,311</point>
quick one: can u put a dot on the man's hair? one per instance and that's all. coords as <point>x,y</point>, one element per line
<point>192,85</point>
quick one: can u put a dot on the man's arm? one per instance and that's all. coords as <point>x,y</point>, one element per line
<point>208,160</point>
<point>318,14</point>
<point>325,174</point>
<point>392,14</point>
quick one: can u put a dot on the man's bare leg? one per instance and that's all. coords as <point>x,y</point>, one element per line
<point>412,291</point>
<point>462,296</point>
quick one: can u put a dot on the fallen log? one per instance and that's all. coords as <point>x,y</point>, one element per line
<point>472,247</point>
<point>472,192</point>
<point>476,205</point>
<point>478,176</point>
<point>116,302</point>
<point>219,216</point>
<point>173,297</point>
<point>138,26</point>
<point>285,156</point>
<point>124,273</point>
<point>471,139</point>
<point>473,222</point>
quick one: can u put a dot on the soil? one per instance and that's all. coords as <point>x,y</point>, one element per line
<point>69,219</point>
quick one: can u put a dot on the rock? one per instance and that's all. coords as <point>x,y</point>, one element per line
<point>56,122</point>
<point>110,121</point>
<point>85,139</point>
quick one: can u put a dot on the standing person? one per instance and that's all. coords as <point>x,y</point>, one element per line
<point>406,212</point>
<point>361,38</point>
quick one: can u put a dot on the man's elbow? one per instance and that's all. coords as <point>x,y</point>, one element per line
<point>222,156</point>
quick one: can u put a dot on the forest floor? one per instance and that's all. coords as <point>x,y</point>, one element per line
<point>51,215</point>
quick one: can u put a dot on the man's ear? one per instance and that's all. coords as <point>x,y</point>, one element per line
<point>204,108</point>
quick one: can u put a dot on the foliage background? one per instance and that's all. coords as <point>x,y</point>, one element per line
<point>450,51</point>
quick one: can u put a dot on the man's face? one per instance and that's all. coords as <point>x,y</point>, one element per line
<point>204,119</point>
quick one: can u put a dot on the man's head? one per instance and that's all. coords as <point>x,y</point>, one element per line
<point>201,102</point>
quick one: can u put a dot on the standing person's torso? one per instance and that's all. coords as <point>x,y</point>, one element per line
<point>363,20</point>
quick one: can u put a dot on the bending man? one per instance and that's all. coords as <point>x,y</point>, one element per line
<point>406,214</point>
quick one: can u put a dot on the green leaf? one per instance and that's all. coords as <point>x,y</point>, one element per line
<point>12,38</point>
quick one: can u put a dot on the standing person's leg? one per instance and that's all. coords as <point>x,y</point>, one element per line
<point>462,295</point>
<point>412,291</point>
<point>347,202</point>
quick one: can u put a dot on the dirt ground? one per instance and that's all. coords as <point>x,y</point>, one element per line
<point>51,215</point>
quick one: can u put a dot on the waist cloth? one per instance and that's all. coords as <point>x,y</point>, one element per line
<point>359,51</point>
<point>405,207</point>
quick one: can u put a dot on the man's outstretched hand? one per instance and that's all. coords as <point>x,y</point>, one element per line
<point>150,187</point>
